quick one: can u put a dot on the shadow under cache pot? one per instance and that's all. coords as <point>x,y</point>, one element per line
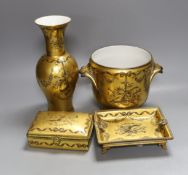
<point>133,152</point>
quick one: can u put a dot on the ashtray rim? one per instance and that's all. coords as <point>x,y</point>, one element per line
<point>155,109</point>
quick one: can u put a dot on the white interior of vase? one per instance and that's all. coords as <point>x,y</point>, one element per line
<point>121,56</point>
<point>53,20</point>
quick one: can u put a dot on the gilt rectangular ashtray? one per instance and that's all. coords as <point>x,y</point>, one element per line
<point>115,128</point>
<point>61,130</point>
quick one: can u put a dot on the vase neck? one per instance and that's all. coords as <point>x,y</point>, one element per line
<point>54,38</point>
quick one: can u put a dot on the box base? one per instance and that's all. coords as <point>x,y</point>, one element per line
<point>59,143</point>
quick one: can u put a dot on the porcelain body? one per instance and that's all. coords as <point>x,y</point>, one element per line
<point>118,87</point>
<point>57,70</point>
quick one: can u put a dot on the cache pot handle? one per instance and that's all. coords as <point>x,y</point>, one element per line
<point>157,69</point>
<point>86,71</point>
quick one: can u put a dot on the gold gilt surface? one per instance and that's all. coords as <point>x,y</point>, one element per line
<point>121,88</point>
<point>57,70</point>
<point>129,127</point>
<point>71,125</point>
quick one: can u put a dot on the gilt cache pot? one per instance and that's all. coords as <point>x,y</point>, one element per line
<point>121,75</point>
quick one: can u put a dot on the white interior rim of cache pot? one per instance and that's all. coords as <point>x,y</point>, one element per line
<point>53,20</point>
<point>121,57</point>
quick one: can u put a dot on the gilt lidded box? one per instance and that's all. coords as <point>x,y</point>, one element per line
<point>61,130</point>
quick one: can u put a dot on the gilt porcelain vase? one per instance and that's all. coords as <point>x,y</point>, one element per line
<point>57,70</point>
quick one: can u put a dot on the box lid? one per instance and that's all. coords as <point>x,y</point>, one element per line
<point>70,125</point>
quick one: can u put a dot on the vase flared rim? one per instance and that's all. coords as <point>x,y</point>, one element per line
<point>52,20</point>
